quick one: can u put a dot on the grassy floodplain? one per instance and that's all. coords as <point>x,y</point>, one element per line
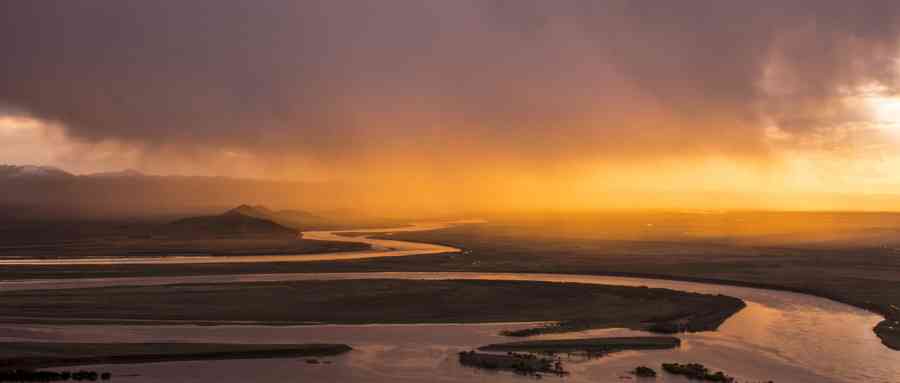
<point>575,306</point>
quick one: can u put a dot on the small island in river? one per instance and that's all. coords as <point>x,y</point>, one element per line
<point>565,306</point>
<point>592,346</point>
<point>523,364</point>
<point>523,357</point>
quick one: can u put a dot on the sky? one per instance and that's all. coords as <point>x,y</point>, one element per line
<point>508,103</point>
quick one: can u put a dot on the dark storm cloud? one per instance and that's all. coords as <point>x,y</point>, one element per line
<point>316,76</point>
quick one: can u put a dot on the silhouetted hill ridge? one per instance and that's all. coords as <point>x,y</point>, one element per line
<point>32,171</point>
<point>233,223</point>
<point>289,218</point>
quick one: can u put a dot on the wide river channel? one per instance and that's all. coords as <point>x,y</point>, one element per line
<point>779,336</point>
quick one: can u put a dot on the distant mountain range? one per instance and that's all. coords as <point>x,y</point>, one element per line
<point>42,192</point>
<point>45,172</point>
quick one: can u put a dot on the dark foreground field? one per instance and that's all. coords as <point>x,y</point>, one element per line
<point>577,306</point>
<point>39,355</point>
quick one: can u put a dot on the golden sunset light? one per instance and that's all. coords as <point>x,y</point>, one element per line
<point>450,191</point>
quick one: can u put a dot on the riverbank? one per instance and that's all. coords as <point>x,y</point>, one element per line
<point>33,355</point>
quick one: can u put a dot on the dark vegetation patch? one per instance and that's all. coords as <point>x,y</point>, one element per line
<point>696,371</point>
<point>52,376</point>
<point>644,372</point>
<point>523,364</point>
<point>589,345</point>
<point>31,355</point>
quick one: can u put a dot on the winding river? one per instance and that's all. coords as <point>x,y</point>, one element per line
<point>780,336</point>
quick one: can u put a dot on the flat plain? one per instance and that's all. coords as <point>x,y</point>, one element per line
<point>574,306</point>
<point>849,257</point>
